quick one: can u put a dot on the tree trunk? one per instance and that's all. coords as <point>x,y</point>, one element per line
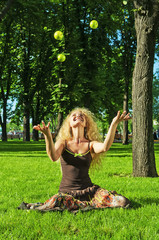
<point>125,108</point>
<point>60,112</point>
<point>4,124</point>
<point>36,118</point>
<point>128,38</point>
<point>60,120</point>
<point>35,135</point>
<point>4,131</point>
<point>26,124</point>
<point>146,24</point>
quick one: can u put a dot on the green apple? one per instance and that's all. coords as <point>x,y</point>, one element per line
<point>94,24</point>
<point>58,35</point>
<point>61,57</point>
<point>125,2</point>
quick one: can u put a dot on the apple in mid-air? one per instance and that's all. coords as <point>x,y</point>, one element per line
<point>93,24</point>
<point>58,35</point>
<point>61,57</point>
<point>125,2</point>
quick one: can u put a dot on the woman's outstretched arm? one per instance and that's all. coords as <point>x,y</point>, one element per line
<point>53,151</point>
<point>103,147</point>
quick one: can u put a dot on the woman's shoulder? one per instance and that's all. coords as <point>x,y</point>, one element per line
<point>93,144</point>
<point>60,143</point>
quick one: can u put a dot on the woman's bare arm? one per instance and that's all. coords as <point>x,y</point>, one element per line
<point>99,147</point>
<point>53,151</point>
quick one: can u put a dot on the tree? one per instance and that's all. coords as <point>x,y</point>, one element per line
<point>7,70</point>
<point>128,59</point>
<point>124,46</point>
<point>33,65</point>
<point>93,73</point>
<point>146,24</point>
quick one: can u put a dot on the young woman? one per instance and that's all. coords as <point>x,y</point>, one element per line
<point>79,146</point>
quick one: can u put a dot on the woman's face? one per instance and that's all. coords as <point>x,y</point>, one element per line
<point>77,118</point>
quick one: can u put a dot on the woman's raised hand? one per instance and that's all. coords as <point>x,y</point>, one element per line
<point>121,117</point>
<point>44,129</point>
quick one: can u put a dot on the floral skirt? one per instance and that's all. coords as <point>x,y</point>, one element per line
<point>98,198</point>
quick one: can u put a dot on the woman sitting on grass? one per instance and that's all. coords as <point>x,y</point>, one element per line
<point>78,146</point>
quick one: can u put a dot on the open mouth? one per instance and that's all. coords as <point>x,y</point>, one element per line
<point>78,118</point>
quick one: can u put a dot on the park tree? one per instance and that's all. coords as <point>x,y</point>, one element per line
<point>81,76</point>
<point>35,61</point>
<point>98,74</point>
<point>122,58</point>
<point>7,70</point>
<point>128,47</point>
<point>146,24</point>
<point>93,73</point>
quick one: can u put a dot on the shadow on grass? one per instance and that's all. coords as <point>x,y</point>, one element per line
<point>149,201</point>
<point>120,175</point>
<point>135,205</point>
<point>22,146</point>
<point>25,155</point>
<point>144,202</point>
<point>119,155</point>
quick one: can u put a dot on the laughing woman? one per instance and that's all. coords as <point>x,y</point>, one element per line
<point>78,146</point>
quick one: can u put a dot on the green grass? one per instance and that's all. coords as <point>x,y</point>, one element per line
<point>28,175</point>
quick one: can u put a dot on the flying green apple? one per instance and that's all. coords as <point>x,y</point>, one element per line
<point>58,35</point>
<point>125,2</point>
<point>93,24</point>
<point>61,57</point>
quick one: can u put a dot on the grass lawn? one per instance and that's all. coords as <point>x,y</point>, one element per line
<point>28,175</point>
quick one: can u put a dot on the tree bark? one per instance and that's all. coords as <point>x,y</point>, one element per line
<point>60,120</point>
<point>146,24</point>
<point>129,43</point>
<point>125,123</point>
<point>4,97</point>
<point>26,123</point>
<point>60,112</point>
<point>4,124</point>
<point>35,133</point>
<point>36,118</point>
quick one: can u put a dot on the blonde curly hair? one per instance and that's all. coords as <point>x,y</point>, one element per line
<point>91,131</point>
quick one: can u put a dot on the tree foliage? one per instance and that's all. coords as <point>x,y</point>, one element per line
<point>98,62</point>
